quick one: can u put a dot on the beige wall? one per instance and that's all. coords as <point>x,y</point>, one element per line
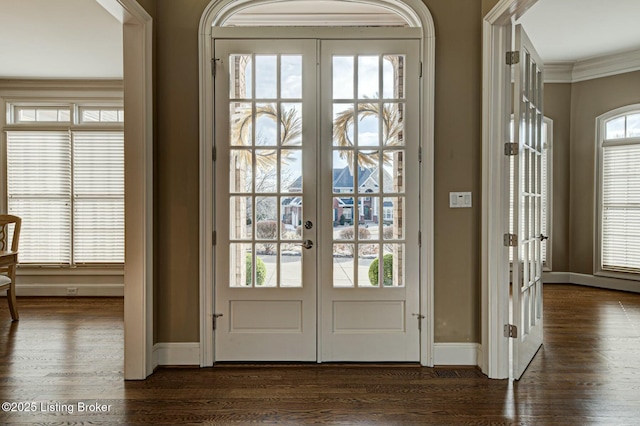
<point>458,145</point>
<point>590,99</point>
<point>457,168</point>
<point>557,106</point>
<point>176,172</point>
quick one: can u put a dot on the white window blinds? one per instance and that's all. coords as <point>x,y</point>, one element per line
<point>621,206</point>
<point>98,195</point>
<point>39,191</point>
<point>68,187</point>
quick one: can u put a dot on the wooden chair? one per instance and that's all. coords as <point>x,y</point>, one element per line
<point>9,260</point>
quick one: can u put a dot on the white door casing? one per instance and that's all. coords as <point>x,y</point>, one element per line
<point>212,24</point>
<point>527,212</point>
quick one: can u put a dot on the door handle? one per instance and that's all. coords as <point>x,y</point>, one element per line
<point>543,237</point>
<point>307,244</point>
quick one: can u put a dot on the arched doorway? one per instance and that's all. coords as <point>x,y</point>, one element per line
<point>232,257</point>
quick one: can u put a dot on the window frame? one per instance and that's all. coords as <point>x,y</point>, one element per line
<point>108,95</point>
<point>600,139</point>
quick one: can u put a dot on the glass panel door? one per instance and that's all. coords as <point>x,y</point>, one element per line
<point>265,259</point>
<point>370,201</point>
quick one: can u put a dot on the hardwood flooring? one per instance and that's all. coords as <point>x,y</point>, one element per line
<point>66,354</point>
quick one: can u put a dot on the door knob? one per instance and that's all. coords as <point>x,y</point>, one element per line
<point>543,237</point>
<point>307,244</point>
<point>308,224</point>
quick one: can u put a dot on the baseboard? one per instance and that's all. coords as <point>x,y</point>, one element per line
<point>176,354</point>
<point>591,281</point>
<point>456,353</point>
<point>70,290</point>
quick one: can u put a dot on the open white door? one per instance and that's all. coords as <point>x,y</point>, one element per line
<point>527,313</point>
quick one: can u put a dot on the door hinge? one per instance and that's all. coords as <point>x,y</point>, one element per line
<point>513,57</point>
<point>510,148</point>
<point>215,320</point>
<point>420,69</point>
<point>419,317</point>
<point>510,240</point>
<point>214,238</point>
<point>420,155</point>
<point>213,66</point>
<point>510,330</point>
<point>214,154</point>
<point>419,238</point>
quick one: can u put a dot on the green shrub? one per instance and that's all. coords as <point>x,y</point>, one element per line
<point>388,271</point>
<point>261,271</point>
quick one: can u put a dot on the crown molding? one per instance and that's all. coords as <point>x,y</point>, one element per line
<point>589,69</point>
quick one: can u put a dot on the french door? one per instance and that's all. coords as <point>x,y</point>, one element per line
<point>316,204</point>
<point>527,309</point>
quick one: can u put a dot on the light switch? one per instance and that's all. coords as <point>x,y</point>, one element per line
<point>460,200</point>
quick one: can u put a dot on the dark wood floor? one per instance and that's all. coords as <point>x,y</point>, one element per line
<point>64,353</point>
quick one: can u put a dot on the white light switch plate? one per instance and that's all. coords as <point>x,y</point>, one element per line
<point>459,200</point>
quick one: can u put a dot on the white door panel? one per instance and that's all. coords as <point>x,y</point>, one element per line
<point>265,280</point>
<point>527,272</point>
<point>369,158</point>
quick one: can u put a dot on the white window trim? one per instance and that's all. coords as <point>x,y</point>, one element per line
<point>597,234</point>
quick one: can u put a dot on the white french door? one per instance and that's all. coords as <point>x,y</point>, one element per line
<point>370,290</point>
<point>316,204</point>
<point>527,312</point>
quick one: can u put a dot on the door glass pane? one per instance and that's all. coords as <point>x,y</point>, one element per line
<point>392,124</point>
<point>291,267</point>
<point>291,214</point>
<point>266,76</point>
<point>368,77</point>
<point>393,76</point>
<point>368,125</point>
<point>393,171</point>
<point>343,265</point>
<point>393,265</point>
<point>266,170</point>
<point>393,211</point>
<point>342,166</point>
<point>240,265</point>
<point>342,77</point>
<point>291,170</point>
<point>266,271</point>
<point>266,129</point>
<point>291,124</point>
<point>343,218</point>
<point>240,170</point>
<point>240,69</point>
<point>343,125</point>
<point>241,123</point>
<point>291,76</point>
<point>241,218</point>
<point>368,265</point>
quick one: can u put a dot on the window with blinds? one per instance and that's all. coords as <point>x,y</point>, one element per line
<point>619,193</point>
<point>68,187</point>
